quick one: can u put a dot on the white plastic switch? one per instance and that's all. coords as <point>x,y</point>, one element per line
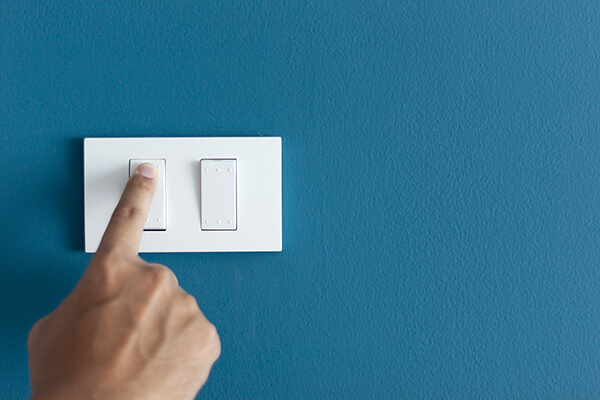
<point>218,194</point>
<point>157,216</point>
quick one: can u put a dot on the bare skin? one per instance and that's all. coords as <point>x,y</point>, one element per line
<point>128,330</point>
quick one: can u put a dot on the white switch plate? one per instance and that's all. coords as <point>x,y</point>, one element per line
<point>258,191</point>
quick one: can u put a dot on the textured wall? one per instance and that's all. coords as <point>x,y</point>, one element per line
<point>441,184</point>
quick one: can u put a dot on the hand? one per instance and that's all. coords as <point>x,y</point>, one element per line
<point>128,330</point>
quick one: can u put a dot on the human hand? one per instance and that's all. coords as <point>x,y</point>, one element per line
<point>128,330</point>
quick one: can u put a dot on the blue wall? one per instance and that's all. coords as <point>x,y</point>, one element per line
<point>441,184</point>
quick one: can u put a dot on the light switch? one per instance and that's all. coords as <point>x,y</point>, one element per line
<point>218,194</point>
<point>157,216</point>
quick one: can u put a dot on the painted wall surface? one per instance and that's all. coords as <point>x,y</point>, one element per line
<point>441,179</point>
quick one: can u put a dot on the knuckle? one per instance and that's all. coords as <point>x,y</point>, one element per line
<point>188,304</point>
<point>213,339</point>
<point>211,333</point>
<point>105,275</point>
<point>155,281</point>
<point>208,341</point>
<point>161,276</point>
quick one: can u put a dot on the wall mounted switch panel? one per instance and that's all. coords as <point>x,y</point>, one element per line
<point>215,194</point>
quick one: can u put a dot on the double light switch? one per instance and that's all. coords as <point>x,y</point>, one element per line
<point>218,195</point>
<point>214,193</point>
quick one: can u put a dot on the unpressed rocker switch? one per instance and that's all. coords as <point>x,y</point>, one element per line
<point>218,186</point>
<point>157,216</point>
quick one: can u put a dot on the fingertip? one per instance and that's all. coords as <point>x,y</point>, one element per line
<point>147,170</point>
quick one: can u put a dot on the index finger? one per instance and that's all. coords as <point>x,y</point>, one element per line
<point>124,231</point>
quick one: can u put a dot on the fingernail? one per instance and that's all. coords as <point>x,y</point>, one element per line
<point>147,170</point>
